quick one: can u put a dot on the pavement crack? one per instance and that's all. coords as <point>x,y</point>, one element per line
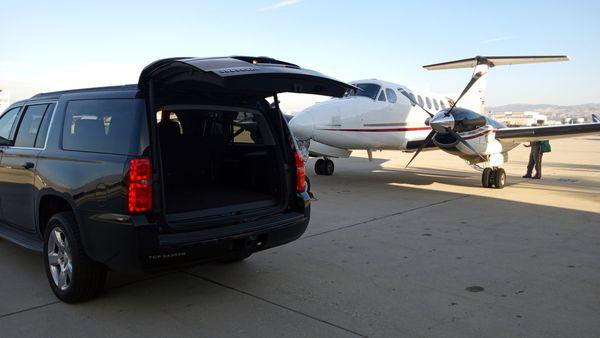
<point>344,227</point>
<point>2,316</point>
<point>272,303</point>
<point>28,309</point>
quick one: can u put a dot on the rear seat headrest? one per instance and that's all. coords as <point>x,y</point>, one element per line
<point>169,127</point>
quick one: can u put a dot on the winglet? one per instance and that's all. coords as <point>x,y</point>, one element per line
<point>493,61</point>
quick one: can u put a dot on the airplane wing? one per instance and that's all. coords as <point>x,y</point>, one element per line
<point>528,134</point>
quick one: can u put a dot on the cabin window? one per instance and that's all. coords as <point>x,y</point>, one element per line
<point>442,104</point>
<point>392,98</point>
<point>428,102</point>
<point>410,96</point>
<point>414,99</point>
<point>435,104</point>
<point>420,99</point>
<point>381,96</point>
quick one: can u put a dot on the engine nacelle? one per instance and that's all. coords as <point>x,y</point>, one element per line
<point>481,139</point>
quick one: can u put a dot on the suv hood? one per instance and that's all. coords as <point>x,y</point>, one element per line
<point>255,76</point>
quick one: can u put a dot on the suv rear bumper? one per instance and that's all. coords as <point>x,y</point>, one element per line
<point>140,248</point>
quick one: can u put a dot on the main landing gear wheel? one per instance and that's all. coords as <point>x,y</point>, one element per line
<point>324,167</point>
<point>319,166</point>
<point>486,178</point>
<point>493,178</point>
<point>499,178</point>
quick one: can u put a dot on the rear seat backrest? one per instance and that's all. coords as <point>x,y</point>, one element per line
<point>171,143</point>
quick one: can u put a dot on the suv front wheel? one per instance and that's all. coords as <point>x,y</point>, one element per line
<point>73,277</point>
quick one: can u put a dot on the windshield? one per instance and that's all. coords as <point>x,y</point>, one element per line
<point>368,89</point>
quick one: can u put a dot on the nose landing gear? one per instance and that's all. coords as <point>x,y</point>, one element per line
<point>493,178</point>
<point>324,166</point>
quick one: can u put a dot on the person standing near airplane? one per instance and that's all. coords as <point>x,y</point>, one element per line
<point>538,148</point>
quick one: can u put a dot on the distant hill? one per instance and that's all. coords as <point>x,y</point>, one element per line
<point>554,112</point>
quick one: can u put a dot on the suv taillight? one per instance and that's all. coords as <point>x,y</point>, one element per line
<point>300,173</point>
<point>140,185</point>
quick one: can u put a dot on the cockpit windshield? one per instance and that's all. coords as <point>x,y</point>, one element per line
<point>368,89</point>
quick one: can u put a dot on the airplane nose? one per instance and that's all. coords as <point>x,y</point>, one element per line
<point>303,126</point>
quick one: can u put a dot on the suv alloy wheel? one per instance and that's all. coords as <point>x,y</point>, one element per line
<point>73,277</point>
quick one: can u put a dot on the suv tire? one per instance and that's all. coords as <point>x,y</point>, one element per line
<point>73,277</point>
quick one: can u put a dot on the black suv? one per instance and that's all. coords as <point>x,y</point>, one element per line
<point>191,164</point>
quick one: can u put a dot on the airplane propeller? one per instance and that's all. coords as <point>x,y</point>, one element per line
<point>437,121</point>
<point>474,79</point>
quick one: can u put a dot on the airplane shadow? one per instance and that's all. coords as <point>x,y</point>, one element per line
<point>374,172</point>
<point>558,165</point>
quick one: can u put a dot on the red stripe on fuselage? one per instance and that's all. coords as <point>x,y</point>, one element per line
<point>480,134</point>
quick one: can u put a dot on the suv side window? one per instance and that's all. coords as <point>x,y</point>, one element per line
<point>40,140</point>
<point>7,122</point>
<point>109,126</point>
<point>30,124</point>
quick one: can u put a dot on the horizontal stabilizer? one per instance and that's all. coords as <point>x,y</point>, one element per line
<point>493,61</point>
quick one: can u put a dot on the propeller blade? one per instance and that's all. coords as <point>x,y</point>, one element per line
<point>415,102</point>
<point>463,141</point>
<point>474,79</point>
<point>423,145</point>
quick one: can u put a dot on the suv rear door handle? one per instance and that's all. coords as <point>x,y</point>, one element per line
<point>28,165</point>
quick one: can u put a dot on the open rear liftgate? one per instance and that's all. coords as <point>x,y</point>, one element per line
<point>236,76</point>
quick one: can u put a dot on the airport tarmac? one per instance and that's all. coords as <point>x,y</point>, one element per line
<point>389,252</point>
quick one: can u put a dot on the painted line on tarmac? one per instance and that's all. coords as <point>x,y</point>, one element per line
<point>344,227</point>
<point>272,303</point>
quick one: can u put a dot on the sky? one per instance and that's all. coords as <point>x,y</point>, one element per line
<point>54,45</point>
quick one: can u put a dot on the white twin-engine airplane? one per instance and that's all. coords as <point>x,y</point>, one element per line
<point>380,115</point>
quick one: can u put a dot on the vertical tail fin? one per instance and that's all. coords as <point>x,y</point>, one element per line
<point>475,97</point>
<point>595,118</point>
